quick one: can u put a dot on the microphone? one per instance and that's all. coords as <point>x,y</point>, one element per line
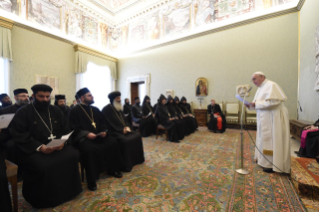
<point>299,106</point>
<point>250,89</point>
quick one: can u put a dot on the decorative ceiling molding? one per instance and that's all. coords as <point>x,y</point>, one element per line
<point>93,52</point>
<point>300,4</point>
<point>223,28</point>
<point>6,23</point>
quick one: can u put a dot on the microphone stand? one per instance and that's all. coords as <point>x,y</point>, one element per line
<point>242,170</point>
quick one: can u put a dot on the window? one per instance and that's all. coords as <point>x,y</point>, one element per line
<point>4,75</point>
<point>98,80</point>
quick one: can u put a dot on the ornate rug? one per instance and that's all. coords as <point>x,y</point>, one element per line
<point>195,175</point>
<point>305,172</point>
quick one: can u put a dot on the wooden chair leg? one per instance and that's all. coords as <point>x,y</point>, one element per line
<point>156,133</point>
<point>166,133</point>
<point>14,189</point>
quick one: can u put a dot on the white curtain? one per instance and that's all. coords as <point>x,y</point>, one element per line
<point>4,75</point>
<point>5,43</point>
<point>82,59</point>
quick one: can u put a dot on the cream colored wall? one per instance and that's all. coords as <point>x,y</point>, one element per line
<point>226,59</point>
<point>309,99</point>
<point>36,54</point>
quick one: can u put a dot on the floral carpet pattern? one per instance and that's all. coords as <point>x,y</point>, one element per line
<point>195,175</point>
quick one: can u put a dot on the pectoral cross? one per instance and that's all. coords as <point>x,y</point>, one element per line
<point>51,137</point>
<point>94,125</point>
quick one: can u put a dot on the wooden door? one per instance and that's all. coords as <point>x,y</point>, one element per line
<point>134,92</point>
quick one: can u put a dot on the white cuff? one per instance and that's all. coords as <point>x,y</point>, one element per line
<point>38,149</point>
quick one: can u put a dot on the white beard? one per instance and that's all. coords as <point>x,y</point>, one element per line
<point>118,106</point>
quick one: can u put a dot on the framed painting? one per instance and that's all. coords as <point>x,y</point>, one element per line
<point>242,90</point>
<point>201,87</point>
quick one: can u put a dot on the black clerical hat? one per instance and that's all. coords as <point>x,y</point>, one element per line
<point>58,97</point>
<point>19,90</point>
<point>161,98</point>
<point>41,87</point>
<point>76,97</point>
<point>136,98</point>
<point>113,95</point>
<point>3,95</point>
<point>82,92</point>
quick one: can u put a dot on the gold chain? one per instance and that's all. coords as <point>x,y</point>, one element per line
<point>149,108</point>
<point>92,119</point>
<point>121,119</point>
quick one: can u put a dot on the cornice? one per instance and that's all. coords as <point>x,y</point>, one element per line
<point>6,23</point>
<point>223,28</point>
<point>300,4</point>
<point>93,52</point>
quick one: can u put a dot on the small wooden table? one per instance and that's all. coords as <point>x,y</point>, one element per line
<point>296,127</point>
<point>201,116</point>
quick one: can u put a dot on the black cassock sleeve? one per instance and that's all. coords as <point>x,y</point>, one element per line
<point>112,119</point>
<point>162,114</point>
<point>209,109</point>
<point>136,113</point>
<point>79,133</point>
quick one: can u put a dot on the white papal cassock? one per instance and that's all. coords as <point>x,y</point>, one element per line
<point>272,127</point>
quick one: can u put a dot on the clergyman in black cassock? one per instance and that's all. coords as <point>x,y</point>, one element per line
<point>311,148</point>
<point>182,125</point>
<point>99,150</point>
<point>217,122</point>
<point>51,174</point>
<point>187,117</point>
<point>12,151</point>
<point>60,102</point>
<point>147,109</point>
<point>147,123</point>
<point>127,109</point>
<point>5,200</point>
<point>5,100</point>
<point>130,142</point>
<point>186,108</point>
<point>165,119</point>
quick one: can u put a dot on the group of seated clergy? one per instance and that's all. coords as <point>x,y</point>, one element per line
<point>101,141</point>
<point>172,114</point>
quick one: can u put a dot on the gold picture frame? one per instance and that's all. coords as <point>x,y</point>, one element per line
<point>201,87</point>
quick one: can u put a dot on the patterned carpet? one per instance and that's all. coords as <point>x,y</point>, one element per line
<point>196,175</point>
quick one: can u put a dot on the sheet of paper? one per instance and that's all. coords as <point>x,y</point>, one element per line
<point>149,114</point>
<point>56,142</point>
<point>126,114</point>
<point>66,137</point>
<point>5,120</point>
<point>241,99</point>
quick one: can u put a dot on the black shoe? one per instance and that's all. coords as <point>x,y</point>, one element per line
<point>92,186</point>
<point>297,152</point>
<point>19,178</point>
<point>116,174</point>
<point>176,141</point>
<point>268,170</point>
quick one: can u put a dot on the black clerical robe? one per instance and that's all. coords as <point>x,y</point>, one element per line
<point>216,123</point>
<point>98,155</point>
<point>186,110</point>
<point>147,125</point>
<point>5,200</point>
<point>181,124</point>
<point>127,109</point>
<point>187,119</point>
<point>311,149</point>
<point>11,148</point>
<point>48,179</point>
<point>172,127</point>
<point>131,143</point>
<point>65,110</point>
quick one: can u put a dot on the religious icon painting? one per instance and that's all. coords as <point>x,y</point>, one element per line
<point>169,92</point>
<point>201,87</point>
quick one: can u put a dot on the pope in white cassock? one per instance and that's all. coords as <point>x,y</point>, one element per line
<point>272,125</point>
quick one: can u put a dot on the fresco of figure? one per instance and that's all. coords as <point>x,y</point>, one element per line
<point>205,12</point>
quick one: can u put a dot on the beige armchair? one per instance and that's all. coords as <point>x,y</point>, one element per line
<point>232,113</point>
<point>250,118</point>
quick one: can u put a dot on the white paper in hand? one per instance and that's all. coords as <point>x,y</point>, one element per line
<point>149,114</point>
<point>5,120</point>
<point>58,142</point>
<point>242,100</point>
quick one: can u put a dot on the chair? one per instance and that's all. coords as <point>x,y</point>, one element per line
<point>221,107</point>
<point>134,124</point>
<point>12,175</point>
<point>232,113</point>
<point>250,118</point>
<point>160,127</point>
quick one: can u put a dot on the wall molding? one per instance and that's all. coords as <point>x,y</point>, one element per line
<point>6,23</point>
<point>93,52</point>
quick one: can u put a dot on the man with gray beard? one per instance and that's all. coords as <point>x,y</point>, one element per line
<point>21,97</point>
<point>130,142</point>
<point>99,150</point>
